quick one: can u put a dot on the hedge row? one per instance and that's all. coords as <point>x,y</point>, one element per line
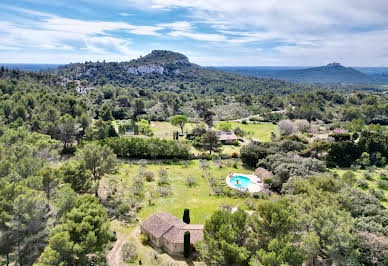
<point>150,148</point>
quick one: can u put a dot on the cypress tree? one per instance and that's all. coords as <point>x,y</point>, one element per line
<point>186,216</point>
<point>186,245</point>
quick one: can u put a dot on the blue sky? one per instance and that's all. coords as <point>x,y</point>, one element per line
<point>209,32</point>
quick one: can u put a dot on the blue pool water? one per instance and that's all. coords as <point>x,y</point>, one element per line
<point>243,181</point>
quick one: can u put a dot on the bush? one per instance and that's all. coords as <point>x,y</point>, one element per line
<point>251,153</point>
<point>286,127</point>
<point>340,136</point>
<point>383,184</point>
<point>128,252</point>
<point>163,177</point>
<point>378,193</point>
<point>236,143</point>
<point>349,178</point>
<point>164,191</point>
<point>191,181</point>
<point>154,257</point>
<point>234,155</point>
<point>239,132</point>
<point>151,148</point>
<point>384,176</point>
<point>362,183</point>
<point>367,176</point>
<point>149,176</point>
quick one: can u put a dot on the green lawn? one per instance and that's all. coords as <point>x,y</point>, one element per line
<point>261,131</point>
<point>198,199</point>
<point>371,183</point>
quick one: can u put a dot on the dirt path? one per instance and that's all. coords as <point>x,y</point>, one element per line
<point>114,255</point>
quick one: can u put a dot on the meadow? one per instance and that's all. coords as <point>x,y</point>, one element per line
<point>198,198</point>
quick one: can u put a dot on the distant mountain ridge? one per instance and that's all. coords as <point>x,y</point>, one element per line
<point>166,70</point>
<point>331,73</point>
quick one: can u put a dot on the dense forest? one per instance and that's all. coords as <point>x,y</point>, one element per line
<point>66,134</point>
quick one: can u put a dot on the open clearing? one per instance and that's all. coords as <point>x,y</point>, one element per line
<point>198,199</point>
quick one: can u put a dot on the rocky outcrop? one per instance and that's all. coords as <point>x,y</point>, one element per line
<point>149,69</point>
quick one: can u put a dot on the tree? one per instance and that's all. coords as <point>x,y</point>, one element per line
<point>186,244</point>
<point>210,141</point>
<point>208,118</point>
<point>225,236</point>
<point>77,175</point>
<point>144,127</point>
<point>250,154</point>
<point>84,231</point>
<point>49,179</point>
<point>100,160</point>
<point>179,120</point>
<point>106,113</point>
<point>67,129</point>
<point>138,108</point>
<point>186,216</point>
<point>224,126</point>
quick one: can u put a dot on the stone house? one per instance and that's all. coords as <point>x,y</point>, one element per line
<point>166,232</point>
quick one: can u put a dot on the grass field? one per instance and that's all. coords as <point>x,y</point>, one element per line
<point>371,183</point>
<point>198,199</point>
<point>261,131</point>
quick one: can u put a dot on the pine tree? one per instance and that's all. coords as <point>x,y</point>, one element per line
<point>186,245</point>
<point>186,216</point>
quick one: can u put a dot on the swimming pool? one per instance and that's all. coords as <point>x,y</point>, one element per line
<point>239,181</point>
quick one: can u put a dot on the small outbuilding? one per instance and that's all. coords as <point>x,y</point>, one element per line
<point>166,232</point>
<point>226,137</point>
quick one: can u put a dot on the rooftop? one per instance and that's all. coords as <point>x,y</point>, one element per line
<point>165,225</point>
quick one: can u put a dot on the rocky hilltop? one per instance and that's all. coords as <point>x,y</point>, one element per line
<point>160,62</point>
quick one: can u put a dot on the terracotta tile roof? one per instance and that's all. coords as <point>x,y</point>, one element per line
<point>224,135</point>
<point>171,228</point>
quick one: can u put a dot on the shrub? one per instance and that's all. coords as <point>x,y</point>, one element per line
<point>383,184</point>
<point>378,193</point>
<point>164,191</point>
<point>239,132</point>
<point>236,143</point>
<point>143,238</point>
<point>367,176</point>
<point>191,181</point>
<point>128,252</point>
<point>149,176</point>
<point>234,155</point>
<point>163,177</point>
<point>302,125</point>
<point>151,148</point>
<point>244,122</point>
<point>384,176</point>
<point>362,183</point>
<point>349,178</point>
<point>286,127</point>
<point>154,257</point>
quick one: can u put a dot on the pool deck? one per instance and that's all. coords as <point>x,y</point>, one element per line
<point>255,186</point>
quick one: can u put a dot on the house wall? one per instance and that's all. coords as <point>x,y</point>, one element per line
<point>153,240</point>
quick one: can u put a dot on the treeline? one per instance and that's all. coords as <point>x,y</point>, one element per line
<point>319,219</point>
<point>42,207</point>
<point>150,148</point>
